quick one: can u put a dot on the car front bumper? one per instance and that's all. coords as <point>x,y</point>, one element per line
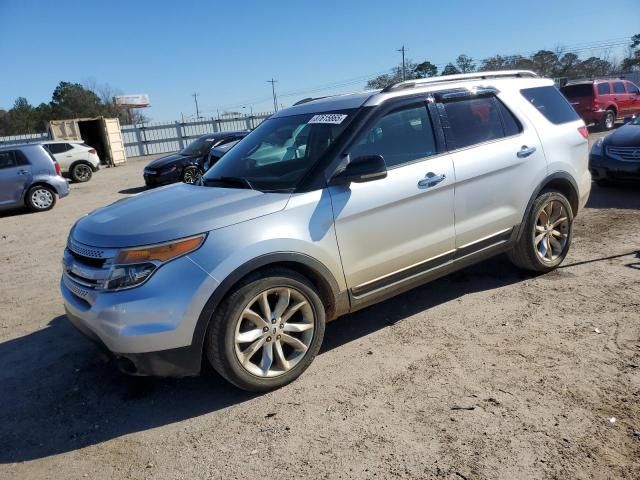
<point>149,329</point>
<point>603,167</point>
<point>157,179</point>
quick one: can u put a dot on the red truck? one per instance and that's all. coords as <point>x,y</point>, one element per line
<point>603,101</point>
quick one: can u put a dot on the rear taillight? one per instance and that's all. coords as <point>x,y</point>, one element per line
<point>584,132</point>
<point>93,150</point>
<point>58,171</point>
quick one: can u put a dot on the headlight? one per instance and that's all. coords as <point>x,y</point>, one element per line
<point>133,266</point>
<point>597,147</point>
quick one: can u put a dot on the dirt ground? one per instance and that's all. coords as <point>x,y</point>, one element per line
<point>489,373</point>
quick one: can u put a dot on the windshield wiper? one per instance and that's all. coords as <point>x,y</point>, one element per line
<point>238,181</point>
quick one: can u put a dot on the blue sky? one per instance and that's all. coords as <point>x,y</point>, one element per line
<point>226,51</point>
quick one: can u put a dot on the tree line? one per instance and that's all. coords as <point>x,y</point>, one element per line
<point>68,100</point>
<point>559,64</point>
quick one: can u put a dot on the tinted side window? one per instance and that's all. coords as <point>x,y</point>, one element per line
<point>7,159</point>
<point>56,148</point>
<point>479,120</point>
<point>604,89</point>
<point>618,87</point>
<point>631,88</point>
<point>550,103</point>
<point>400,137</point>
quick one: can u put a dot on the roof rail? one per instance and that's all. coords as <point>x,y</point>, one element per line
<point>308,99</point>
<point>418,82</point>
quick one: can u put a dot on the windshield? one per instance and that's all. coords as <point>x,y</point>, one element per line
<point>277,154</point>
<point>199,146</point>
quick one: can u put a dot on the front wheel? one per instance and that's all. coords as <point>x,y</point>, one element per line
<point>546,238</point>
<point>191,175</point>
<point>267,331</point>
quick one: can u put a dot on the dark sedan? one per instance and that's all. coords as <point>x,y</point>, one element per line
<point>616,157</point>
<point>188,164</point>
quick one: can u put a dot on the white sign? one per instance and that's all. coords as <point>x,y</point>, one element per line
<point>132,101</point>
<point>332,118</point>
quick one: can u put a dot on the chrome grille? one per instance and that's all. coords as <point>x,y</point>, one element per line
<point>625,154</point>
<point>84,250</point>
<point>75,289</point>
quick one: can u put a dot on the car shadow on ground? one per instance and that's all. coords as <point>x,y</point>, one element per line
<point>133,190</point>
<point>16,211</point>
<point>58,395</point>
<point>622,196</point>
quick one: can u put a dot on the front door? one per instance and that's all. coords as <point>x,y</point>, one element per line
<point>392,229</point>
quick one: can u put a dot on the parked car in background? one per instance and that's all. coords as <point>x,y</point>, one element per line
<point>217,153</point>
<point>77,160</point>
<point>602,102</point>
<point>29,175</point>
<point>616,157</point>
<point>327,207</point>
<point>188,164</point>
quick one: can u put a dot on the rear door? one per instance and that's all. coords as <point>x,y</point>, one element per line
<point>393,229</point>
<point>113,141</point>
<point>63,153</point>
<point>15,177</point>
<point>634,98</point>
<point>498,161</point>
<point>621,97</point>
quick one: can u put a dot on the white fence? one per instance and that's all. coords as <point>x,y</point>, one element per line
<point>162,137</point>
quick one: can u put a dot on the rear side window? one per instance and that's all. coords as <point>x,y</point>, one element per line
<point>550,103</point>
<point>56,148</point>
<point>604,89</point>
<point>400,137</point>
<point>618,87</point>
<point>8,159</point>
<point>479,120</point>
<point>631,88</point>
<point>578,90</point>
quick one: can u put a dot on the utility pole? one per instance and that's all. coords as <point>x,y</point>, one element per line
<point>195,99</point>
<point>273,89</point>
<point>404,73</point>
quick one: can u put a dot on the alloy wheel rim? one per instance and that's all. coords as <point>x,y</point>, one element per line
<point>609,120</point>
<point>191,175</point>
<point>42,198</point>
<point>274,332</point>
<point>551,232</point>
<point>82,172</point>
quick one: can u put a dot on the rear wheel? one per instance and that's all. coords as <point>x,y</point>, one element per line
<point>267,331</point>
<point>546,239</point>
<point>81,172</point>
<point>608,120</point>
<point>191,175</point>
<point>40,198</point>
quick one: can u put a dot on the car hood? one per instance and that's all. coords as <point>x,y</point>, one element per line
<point>171,212</point>
<point>166,161</point>
<point>625,136</point>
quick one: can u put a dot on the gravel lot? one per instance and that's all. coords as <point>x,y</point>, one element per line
<point>487,374</point>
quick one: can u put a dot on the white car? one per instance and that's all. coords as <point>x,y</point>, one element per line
<point>76,159</point>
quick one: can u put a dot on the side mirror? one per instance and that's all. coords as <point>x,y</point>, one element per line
<point>362,169</point>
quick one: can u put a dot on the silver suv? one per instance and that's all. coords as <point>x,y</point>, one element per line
<point>30,176</point>
<point>327,207</point>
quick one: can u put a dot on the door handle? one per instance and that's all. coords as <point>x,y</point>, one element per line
<point>525,151</point>
<point>22,172</point>
<point>431,180</point>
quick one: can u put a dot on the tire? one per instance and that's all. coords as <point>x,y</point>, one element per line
<point>191,174</point>
<point>535,251</point>
<point>608,121</point>
<point>229,324</point>
<point>81,172</point>
<point>40,198</point>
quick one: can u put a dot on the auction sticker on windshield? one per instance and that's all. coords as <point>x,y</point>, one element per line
<point>332,118</point>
